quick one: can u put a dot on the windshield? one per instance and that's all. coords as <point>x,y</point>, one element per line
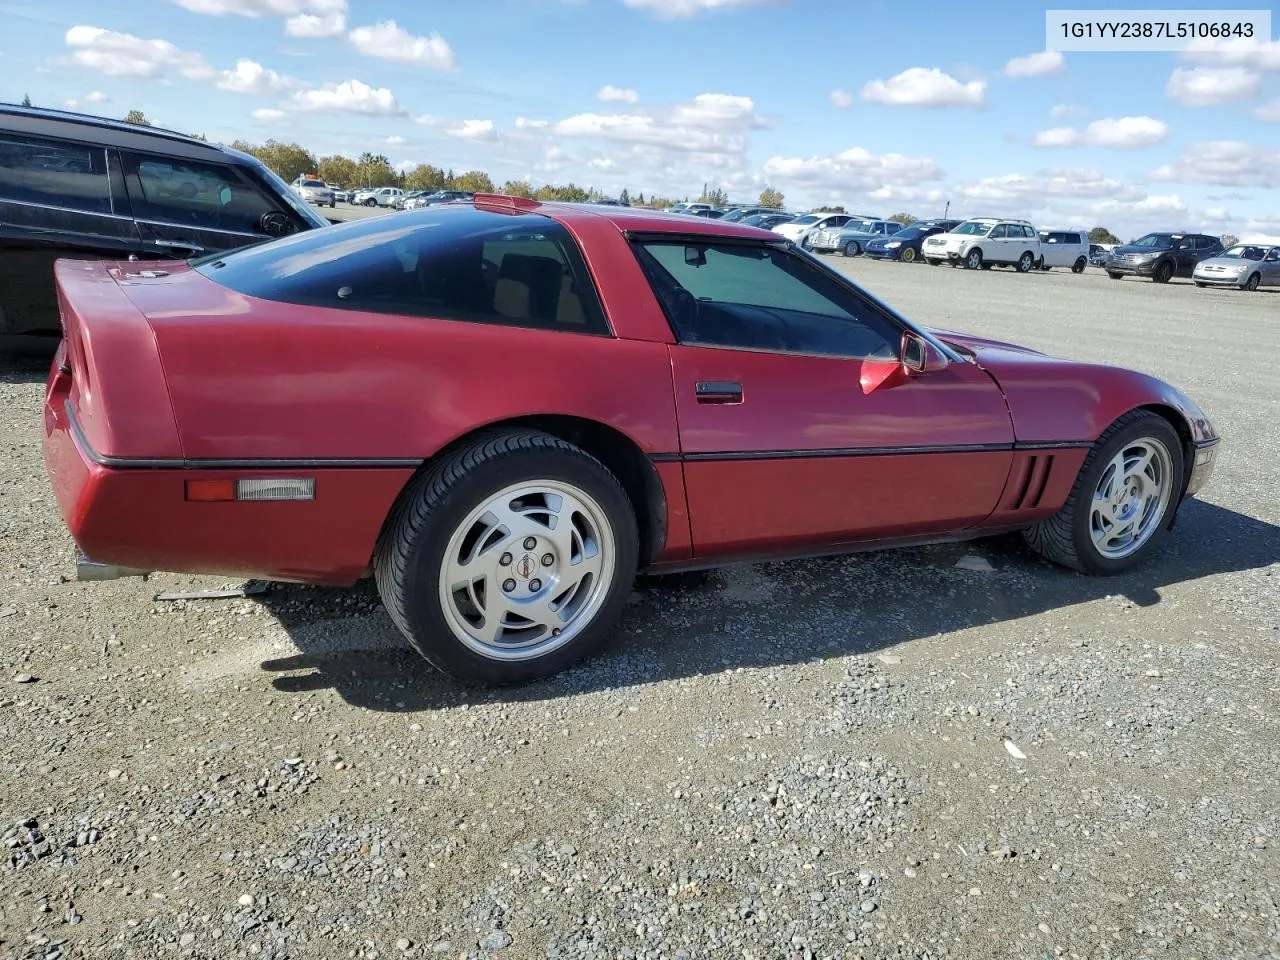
<point>974,228</point>
<point>1245,252</point>
<point>909,233</point>
<point>807,218</point>
<point>286,194</point>
<point>1156,241</point>
<point>859,226</point>
<point>734,215</point>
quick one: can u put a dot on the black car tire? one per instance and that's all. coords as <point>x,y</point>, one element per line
<point>851,249</point>
<point>973,259</point>
<point>432,508</point>
<point>1115,276</point>
<point>932,262</point>
<point>1025,262</point>
<point>1200,285</point>
<point>1163,272</point>
<point>1252,284</point>
<point>907,255</point>
<point>1079,265</point>
<point>1065,539</point>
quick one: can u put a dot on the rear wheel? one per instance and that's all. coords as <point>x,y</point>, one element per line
<point>908,255</point>
<point>1252,283</point>
<point>1163,273</point>
<point>851,249</point>
<point>510,559</point>
<point>933,263</point>
<point>1079,265</point>
<point>1115,276</point>
<point>1025,262</point>
<point>1199,284</point>
<point>973,260</point>
<point>1122,502</point>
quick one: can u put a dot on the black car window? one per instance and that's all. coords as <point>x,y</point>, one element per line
<point>761,297</point>
<point>190,193</point>
<point>999,233</point>
<point>54,173</point>
<point>450,262</point>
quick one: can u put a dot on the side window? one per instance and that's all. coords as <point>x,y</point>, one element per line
<point>460,264</point>
<point>1027,231</point>
<point>750,297</point>
<point>194,194</point>
<point>999,232</point>
<point>54,173</point>
<point>1073,238</point>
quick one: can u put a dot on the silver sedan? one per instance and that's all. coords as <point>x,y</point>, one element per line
<point>1247,266</point>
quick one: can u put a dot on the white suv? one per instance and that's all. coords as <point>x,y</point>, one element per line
<point>1064,248</point>
<point>315,191</point>
<point>379,197</point>
<point>984,242</point>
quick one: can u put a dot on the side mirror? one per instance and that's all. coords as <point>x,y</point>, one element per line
<point>918,355</point>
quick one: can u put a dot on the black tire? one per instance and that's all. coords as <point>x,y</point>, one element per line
<point>973,259</point>
<point>908,255</point>
<point>1115,276</point>
<point>933,263</point>
<point>1079,265</point>
<point>1253,282</point>
<point>332,204</point>
<point>1064,538</point>
<point>851,249</point>
<point>1025,262</point>
<point>411,548</point>
<point>987,266</point>
<point>1163,273</point>
<point>1200,285</point>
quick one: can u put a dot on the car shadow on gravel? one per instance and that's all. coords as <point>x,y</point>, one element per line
<point>759,615</point>
<point>26,359</point>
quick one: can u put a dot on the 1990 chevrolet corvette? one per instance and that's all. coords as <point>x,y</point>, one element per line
<point>503,410</point>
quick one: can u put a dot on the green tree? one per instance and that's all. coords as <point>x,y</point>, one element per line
<point>829,208</point>
<point>639,201</point>
<point>1102,235</point>
<point>375,171</point>
<point>905,219</point>
<point>473,181</point>
<point>714,196</point>
<point>424,177</point>
<point>26,100</point>
<point>136,117</point>
<point>1229,240</point>
<point>338,169</point>
<point>569,193</point>
<point>770,197</point>
<point>624,197</point>
<point>288,160</point>
<point>517,188</point>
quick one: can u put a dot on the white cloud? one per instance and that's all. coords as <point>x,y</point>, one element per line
<point>316,25</point>
<point>124,55</point>
<point>1250,52</point>
<point>268,114</point>
<point>1015,188</point>
<point>523,123</point>
<point>69,104</point>
<point>841,99</point>
<point>711,123</point>
<point>472,130</point>
<point>601,163</point>
<point>256,9</point>
<point>1225,163</point>
<point>350,96</point>
<point>389,41</point>
<point>854,170</point>
<point>925,87</point>
<point>1107,132</point>
<point>394,141</point>
<point>251,77</point>
<point>716,110</point>
<point>1210,86</point>
<point>612,94</point>
<point>683,9</point>
<point>1064,110</point>
<point>1035,64</point>
<point>1269,112</point>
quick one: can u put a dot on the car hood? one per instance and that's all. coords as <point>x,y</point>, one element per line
<point>1227,262</point>
<point>1129,249</point>
<point>984,348</point>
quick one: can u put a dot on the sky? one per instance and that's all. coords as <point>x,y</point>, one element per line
<point>881,107</point>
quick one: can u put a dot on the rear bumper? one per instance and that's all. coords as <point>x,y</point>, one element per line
<point>127,520</point>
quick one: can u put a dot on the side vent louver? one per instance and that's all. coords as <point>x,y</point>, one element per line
<point>1035,477</point>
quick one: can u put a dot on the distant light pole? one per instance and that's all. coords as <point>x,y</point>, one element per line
<point>947,210</point>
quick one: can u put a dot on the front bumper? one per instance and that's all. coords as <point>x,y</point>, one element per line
<point>1206,459</point>
<point>1216,279</point>
<point>1143,269</point>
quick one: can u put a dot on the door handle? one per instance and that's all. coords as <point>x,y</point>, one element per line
<point>718,391</point>
<point>179,245</point>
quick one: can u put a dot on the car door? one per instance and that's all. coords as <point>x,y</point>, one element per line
<point>58,198</point>
<point>1206,248</point>
<point>798,426</point>
<point>996,245</point>
<point>187,207</point>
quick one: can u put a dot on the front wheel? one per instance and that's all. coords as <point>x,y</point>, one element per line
<point>1079,265</point>
<point>851,249</point>
<point>1199,284</point>
<point>1252,283</point>
<point>509,560</point>
<point>908,255</point>
<point>1025,262</point>
<point>1123,500</point>
<point>1115,276</point>
<point>932,262</point>
<point>974,259</point>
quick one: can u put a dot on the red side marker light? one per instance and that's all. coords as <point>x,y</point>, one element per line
<point>257,488</point>
<point>211,490</point>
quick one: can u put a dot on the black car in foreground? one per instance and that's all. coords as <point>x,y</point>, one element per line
<point>905,244</point>
<point>1162,256</point>
<point>85,187</point>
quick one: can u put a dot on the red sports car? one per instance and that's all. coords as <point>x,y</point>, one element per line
<point>503,410</point>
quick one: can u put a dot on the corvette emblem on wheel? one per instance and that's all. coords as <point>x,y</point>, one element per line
<point>526,565</point>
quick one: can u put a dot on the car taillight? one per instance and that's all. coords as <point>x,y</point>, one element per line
<point>257,488</point>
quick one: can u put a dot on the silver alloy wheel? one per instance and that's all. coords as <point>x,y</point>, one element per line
<point>974,260</point>
<point>1131,498</point>
<point>527,570</point>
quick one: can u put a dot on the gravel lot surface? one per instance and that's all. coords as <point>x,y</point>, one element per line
<point>871,756</point>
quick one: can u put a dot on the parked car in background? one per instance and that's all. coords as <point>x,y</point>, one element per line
<point>85,187</point>
<point>400,201</point>
<point>1064,248</point>
<point>906,243</point>
<point>377,196</point>
<point>983,242</point>
<point>802,228</point>
<point>1162,256</point>
<point>1246,265</point>
<point>715,369</point>
<point>1099,254</point>
<point>438,196</point>
<point>315,191</point>
<point>711,213</point>
<point>853,237</point>
<point>340,194</point>
<point>767,221</point>
<point>740,214</point>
